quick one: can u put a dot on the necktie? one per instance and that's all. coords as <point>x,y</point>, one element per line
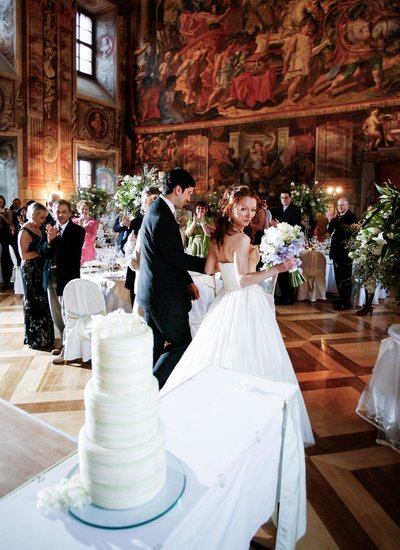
<point>59,230</point>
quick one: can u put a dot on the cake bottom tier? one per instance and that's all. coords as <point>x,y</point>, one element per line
<point>122,478</point>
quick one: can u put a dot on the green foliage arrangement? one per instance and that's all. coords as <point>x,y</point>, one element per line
<point>128,197</point>
<point>375,247</point>
<point>310,198</point>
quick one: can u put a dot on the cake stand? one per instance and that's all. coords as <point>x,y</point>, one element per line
<point>166,499</point>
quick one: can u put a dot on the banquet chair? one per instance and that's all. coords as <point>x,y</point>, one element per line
<point>16,276</point>
<point>379,403</point>
<point>81,299</point>
<point>314,267</point>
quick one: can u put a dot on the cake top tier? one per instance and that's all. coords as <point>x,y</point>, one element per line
<point>118,324</point>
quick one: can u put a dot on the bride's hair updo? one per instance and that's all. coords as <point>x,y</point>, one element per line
<point>231,197</point>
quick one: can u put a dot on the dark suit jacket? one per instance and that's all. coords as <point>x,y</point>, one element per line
<point>291,215</point>
<point>340,231</point>
<point>66,253</point>
<point>164,266</point>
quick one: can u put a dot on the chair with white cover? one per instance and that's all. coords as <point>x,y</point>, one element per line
<point>81,300</point>
<point>314,267</point>
<point>379,403</point>
<point>16,276</point>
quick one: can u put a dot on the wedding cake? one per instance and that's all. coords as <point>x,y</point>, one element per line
<point>122,453</point>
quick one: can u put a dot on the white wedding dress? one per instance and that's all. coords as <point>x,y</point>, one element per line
<point>240,332</point>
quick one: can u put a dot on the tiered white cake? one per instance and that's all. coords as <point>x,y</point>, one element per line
<point>121,445</point>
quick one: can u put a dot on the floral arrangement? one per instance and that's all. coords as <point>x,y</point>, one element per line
<point>374,249</point>
<point>310,198</point>
<point>69,493</point>
<point>281,242</point>
<point>98,198</point>
<point>128,197</point>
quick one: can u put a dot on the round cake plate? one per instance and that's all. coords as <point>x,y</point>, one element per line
<point>164,501</point>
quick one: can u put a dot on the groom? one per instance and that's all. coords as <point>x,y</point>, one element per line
<point>165,286</point>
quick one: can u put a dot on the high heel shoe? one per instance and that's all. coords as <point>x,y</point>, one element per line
<point>365,311</point>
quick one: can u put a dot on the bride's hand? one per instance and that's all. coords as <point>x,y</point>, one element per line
<point>287,265</point>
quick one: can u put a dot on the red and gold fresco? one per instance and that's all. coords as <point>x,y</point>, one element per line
<point>226,59</point>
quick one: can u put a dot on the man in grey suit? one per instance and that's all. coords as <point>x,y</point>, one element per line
<point>165,286</point>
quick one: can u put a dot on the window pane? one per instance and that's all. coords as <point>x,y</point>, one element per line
<point>85,53</point>
<point>85,36</point>
<point>85,67</point>
<point>84,173</point>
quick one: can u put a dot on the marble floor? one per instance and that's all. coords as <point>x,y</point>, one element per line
<point>353,483</point>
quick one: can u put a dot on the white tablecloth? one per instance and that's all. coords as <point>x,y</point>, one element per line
<point>330,280</point>
<point>239,440</point>
<point>112,285</point>
<point>208,286</point>
<point>379,403</point>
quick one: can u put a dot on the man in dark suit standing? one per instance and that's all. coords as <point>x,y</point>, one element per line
<point>165,286</point>
<point>291,214</point>
<point>63,248</point>
<point>340,230</point>
<point>121,226</point>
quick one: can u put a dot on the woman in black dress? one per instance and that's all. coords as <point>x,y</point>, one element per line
<point>39,329</point>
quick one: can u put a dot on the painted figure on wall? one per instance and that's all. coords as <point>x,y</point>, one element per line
<point>97,124</point>
<point>285,54</point>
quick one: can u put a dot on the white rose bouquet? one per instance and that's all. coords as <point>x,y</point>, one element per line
<point>282,242</point>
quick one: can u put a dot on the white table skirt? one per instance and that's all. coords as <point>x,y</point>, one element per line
<point>226,428</point>
<point>113,288</point>
<point>330,280</point>
<point>208,287</point>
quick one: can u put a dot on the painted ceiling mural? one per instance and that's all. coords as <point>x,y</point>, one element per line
<point>216,60</point>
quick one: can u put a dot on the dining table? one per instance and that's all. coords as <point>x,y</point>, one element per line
<point>111,280</point>
<point>238,443</point>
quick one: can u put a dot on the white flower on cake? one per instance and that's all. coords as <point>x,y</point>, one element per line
<point>117,324</point>
<point>69,493</point>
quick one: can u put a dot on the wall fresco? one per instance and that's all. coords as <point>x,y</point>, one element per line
<point>203,60</point>
<point>268,156</point>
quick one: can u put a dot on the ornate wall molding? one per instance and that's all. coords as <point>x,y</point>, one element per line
<point>7,104</point>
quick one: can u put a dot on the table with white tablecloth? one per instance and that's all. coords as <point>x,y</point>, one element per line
<point>239,441</point>
<point>112,284</point>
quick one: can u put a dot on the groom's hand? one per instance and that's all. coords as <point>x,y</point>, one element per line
<point>193,292</point>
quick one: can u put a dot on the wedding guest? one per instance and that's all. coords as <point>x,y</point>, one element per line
<point>7,231</point>
<point>133,250</point>
<point>90,226</point>
<point>165,286</point>
<point>149,194</point>
<point>268,213</point>
<point>340,230</point>
<point>198,231</point>
<point>16,204</point>
<point>291,214</point>
<point>39,330</point>
<point>62,245</point>
<point>239,331</point>
<point>51,200</point>
<point>121,226</point>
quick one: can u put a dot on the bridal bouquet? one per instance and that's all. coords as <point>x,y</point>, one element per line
<point>282,242</point>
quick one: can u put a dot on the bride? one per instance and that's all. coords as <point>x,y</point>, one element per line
<point>240,331</point>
